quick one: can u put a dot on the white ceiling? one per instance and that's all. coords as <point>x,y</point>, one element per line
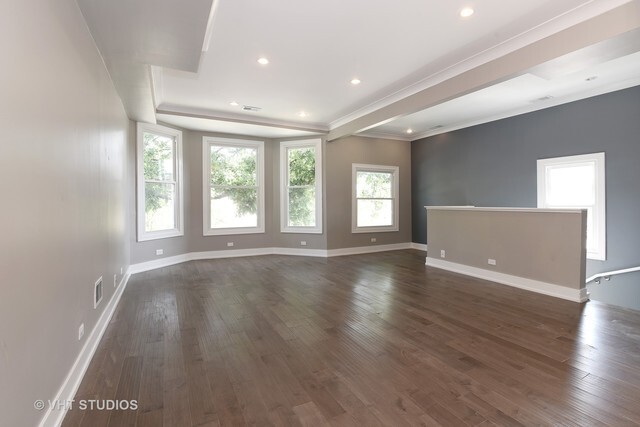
<point>396,49</point>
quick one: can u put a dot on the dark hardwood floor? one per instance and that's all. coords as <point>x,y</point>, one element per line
<point>364,340</point>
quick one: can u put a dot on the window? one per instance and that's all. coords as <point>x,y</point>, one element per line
<point>159,163</point>
<point>233,186</point>
<point>577,182</point>
<point>301,186</point>
<point>375,198</point>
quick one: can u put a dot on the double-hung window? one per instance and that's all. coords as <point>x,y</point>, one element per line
<point>159,182</point>
<point>375,198</point>
<point>233,185</point>
<point>301,186</point>
<point>577,182</point>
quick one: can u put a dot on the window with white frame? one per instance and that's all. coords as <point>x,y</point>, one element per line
<point>159,179</point>
<point>577,182</point>
<point>233,198</point>
<point>375,198</point>
<point>301,186</point>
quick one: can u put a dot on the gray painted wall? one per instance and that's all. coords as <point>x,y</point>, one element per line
<point>193,239</point>
<point>494,164</point>
<point>340,155</point>
<point>62,179</point>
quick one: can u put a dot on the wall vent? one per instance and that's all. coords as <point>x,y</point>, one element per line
<point>250,108</point>
<point>97,292</point>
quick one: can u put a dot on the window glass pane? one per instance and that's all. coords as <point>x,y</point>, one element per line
<point>234,207</point>
<point>302,166</point>
<point>158,157</point>
<point>375,213</point>
<point>571,185</point>
<point>235,166</point>
<point>159,206</point>
<point>302,207</point>
<point>374,184</point>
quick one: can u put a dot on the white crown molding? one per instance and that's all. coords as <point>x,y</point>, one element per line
<point>55,413</point>
<point>546,29</point>
<point>386,135</point>
<point>575,295</point>
<point>239,118</point>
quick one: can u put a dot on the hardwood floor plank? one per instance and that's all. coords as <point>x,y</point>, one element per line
<point>366,340</point>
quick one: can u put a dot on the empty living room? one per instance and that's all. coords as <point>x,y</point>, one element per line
<point>289,213</point>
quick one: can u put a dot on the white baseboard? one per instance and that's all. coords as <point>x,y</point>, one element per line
<point>322,253</point>
<point>419,246</point>
<point>367,249</point>
<point>55,415</point>
<point>575,295</point>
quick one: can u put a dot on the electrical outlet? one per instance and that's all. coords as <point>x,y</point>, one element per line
<point>303,243</point>
<point>442,253</point>
<point>491,261</point>
<point>373,240</point>
<point>80,331</point>
<point>115,280</point>
<point>229,244</point>
<point>159,251</point>
<point>121,271</point>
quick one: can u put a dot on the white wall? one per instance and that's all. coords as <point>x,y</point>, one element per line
<point>62,183</point>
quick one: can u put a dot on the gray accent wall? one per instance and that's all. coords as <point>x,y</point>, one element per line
<point>494,164</point>
<point>64,207</point>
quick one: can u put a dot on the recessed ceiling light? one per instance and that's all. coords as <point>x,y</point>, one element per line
<point>592,78</point>
<point>466,12</point>
<point>355,81</point>
<point>302,114</point>
<point>409,130</point>
<point>263,61</point>
<point>234,104</point>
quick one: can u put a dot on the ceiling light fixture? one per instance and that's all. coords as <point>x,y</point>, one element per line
<point>409,130</point>
<point>234,104</point>
<point>592,78</point>
<point>302,114</point>
<point>263,61</point>
<point>466,12</point>
<point>355,81</point>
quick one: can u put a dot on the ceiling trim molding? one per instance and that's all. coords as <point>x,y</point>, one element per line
<point>587,33</point>
<point>549,28</point>
<point>225,117</point>
<point>385,135</point>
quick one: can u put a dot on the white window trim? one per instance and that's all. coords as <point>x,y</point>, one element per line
<point>207,142</point>
<point>144,235</point>
<point>316,144</point>
<point>600,222</point>
<point>394,170</point>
